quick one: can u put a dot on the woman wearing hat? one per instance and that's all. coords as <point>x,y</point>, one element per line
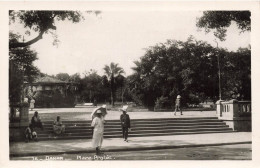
<point>98,130</point>
<point>125,123</point>
<point>178,104</point>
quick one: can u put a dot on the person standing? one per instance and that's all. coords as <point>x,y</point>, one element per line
<point>32,101</point>
<point>125,123</point>
<point>95,102</point>
<point>98,131</point>
<point>178,104</point>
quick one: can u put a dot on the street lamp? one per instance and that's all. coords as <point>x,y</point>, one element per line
<point>219,76</point>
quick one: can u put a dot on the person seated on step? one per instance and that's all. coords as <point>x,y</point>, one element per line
<point>30,134</point>
<point>58,127</point>
<point>36,121</point>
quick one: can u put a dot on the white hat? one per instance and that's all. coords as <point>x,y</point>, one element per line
<point>104,106</point>
<point>99,112</point>
<point>178,97</point>
<point>124,108</point>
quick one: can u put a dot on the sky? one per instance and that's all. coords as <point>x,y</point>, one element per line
<point>119,37</point>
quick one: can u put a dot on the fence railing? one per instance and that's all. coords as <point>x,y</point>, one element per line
<point>244,107</point>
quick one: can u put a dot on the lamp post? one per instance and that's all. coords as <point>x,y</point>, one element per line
<point>219,76</point>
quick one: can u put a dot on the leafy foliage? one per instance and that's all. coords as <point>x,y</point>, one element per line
<point>21,70</point>
<point>220,20</point>
<point>63,77</point>
<point>42,22</point>
<point>189,69</point>
<point>112,71</point>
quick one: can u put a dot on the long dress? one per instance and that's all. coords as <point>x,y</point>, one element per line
<point>32,104</point>
<point>98,124</point>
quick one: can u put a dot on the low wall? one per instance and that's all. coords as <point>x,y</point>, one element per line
<point>236,114</point>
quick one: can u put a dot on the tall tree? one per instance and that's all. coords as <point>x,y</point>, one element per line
<point>120,84</point>
<point>219,21</point>
<point>21,70</point>
<point>112,71</point>
<point>41,22</point>
<point>189,68</point>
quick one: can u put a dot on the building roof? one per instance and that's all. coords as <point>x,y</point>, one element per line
<point>49,80</point>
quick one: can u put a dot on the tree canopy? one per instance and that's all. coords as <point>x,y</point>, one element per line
<point>63,76</point>
<point>190,68</point>
<point>21,69</point>
<point>219,21</point>
<point>41,22</point>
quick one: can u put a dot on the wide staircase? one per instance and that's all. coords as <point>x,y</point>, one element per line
<point>140,127</point>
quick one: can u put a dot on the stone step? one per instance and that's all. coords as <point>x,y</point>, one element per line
<point>133,135</point>
<point>142,124</point>
<point>114,132</point>
<point>140,127</point>
<point>147,127</point>
<point>145,120</point>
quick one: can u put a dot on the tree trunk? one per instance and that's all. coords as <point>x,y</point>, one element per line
<point>112,91</point>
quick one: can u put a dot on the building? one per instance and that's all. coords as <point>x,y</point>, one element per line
<point>51,92</point>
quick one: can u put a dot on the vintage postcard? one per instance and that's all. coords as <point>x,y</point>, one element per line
<point>112,83</point>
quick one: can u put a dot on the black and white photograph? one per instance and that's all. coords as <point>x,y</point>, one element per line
<point>129,84</point>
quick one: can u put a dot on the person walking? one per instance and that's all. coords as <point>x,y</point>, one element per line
<point>98,131</point>
<point>125,123</point>
<point>178,104</point>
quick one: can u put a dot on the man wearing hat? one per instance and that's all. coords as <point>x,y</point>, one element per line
<point>178,104</point>
<point>125,123</point>
<point>98,131</point>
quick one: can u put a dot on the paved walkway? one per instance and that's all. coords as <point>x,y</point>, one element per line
<point>84,114</point>
<point>135,143</point>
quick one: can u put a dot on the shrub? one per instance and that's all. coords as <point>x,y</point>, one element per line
<point>162,103</point>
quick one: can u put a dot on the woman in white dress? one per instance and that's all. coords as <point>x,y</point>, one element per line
<point>98,130</point>
<point>32,104</point>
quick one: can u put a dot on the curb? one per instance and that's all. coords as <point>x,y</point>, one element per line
<point>126,149</point>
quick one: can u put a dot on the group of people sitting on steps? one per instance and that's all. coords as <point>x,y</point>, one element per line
<point>30,131</point>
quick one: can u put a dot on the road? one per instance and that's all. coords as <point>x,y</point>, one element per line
<point>225,152</point>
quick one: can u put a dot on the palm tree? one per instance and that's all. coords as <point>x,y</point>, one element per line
<point>112,72</point>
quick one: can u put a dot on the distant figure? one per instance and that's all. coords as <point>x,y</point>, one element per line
<point>30,134</point>
<point>98,131</point>
<point>32,104</point>
<point>178,104</point>
<point>25,100</point>
<point>95,103</point>
<point>125,123</point>
<point>36,121</point>
<point>58,127</point>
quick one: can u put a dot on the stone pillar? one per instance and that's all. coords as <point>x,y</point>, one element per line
<point>18,124</point>
<point>219,107</point>
<point>24,116</point>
